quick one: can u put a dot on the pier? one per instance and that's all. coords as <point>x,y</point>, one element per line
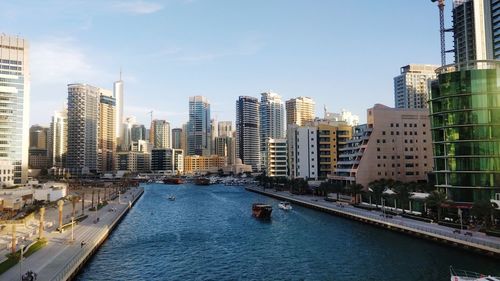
<point>62,258</point>
<point>476,242</point>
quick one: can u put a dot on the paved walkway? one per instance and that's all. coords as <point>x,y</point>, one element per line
<point>59,255</point>
<point>477,238</point>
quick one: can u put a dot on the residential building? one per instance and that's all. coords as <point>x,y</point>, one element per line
<point>159,134</point>
<point>248,132</point>
<point>225,129</point>
<point>133,161</point>
<point>106,132</point>
<point>167,160</point>
<point>299,110</point>
<point>199,135</point>
<point>277,158</point>
<point>395,144</point>
<point>302,151</point>
<point>83,127</point>
<point>177,138</point>
<point>58,139</point>
<point>15,107</point>
<point>195,164</point>
<point>411,86</point>
<point>38,158</point>
<point>138,132</point>
<point>272,121</point>
<point>214,133</point>
<point>39,136</point>
<point>225,146</point>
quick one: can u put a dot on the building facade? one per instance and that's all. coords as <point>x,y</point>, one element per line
<point>159,134</point>
<point>119,118</point>
<point>276,158</point>
<point>177,138</point>
<point>302,144</point>
<point>107,132</point>
<point>225,129</point>
<point>167,160</point>
<point>195,164</point>
<point>15,106</point>
<point>248,132</point>
<point>226,147</point>
<point>411,85</point>
<point>83,126</point>
<point>299,110</point>
<point>199,135</point>
<point>396,144</point>
<point>58,144</point>
<point>272,121</point>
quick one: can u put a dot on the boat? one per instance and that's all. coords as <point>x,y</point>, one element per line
<point>464,275</point>
<point>173,181</point>
<point>261,211</point>
<point>285,205</point>
<point>202,181</point>
<point>171,198</point>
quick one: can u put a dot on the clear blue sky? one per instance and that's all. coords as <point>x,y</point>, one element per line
<point>341,53</point>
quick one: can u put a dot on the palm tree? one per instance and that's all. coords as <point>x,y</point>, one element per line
<point>378,188</point>
<point>337,188</point>
<point>355,190</point>
<point>483,209</point>
<point>402,194</point>
<point>435,200</point>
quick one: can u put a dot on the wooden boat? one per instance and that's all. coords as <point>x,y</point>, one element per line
<point>261,211</point>
<point>202,181</point>
<point>173,181</point>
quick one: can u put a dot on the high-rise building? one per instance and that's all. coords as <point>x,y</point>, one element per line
<point>344,116</point>
<point>126,134</point>
<point>272,121</point>
<point>184,138</point>
<point>107,132</point>
<point>138,132</point>
<point>58,139</point>
<point>199,135</point>
<point>277,158</point>
<point>120,119</point>
<point>159,134</point>
<point>214,129</point>
<point>248,132</point>
<point>299,110</point>
<point>177,138</point>
<point>83,126</point>
<point>167,160</point>
<point>395,144</point>
<point>302,144</point>
<point>225,146</point>
<point>39,136</point>
<point>411,85</point>
<point>15,107</point>
<point>225,129</point>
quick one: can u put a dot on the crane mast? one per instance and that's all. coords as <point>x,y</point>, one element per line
<point>442,30</point>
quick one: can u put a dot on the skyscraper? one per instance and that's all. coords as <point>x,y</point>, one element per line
<point>138,132</point>
<point>177,138</point>
<point>225,128</point>
<point>299,110</point>
<point>38,137</point>
<point>272,121</point>
<point>411,86</point>
<point>118,95</point>
<point>58,138</point>
<point>83,125</point>
<point>199,129</point>
<point>159,134</point>
<point>15,108</point>
<point>248,131</point>
<point>107,132</point>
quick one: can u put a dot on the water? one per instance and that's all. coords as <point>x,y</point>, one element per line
<point>208,233</point>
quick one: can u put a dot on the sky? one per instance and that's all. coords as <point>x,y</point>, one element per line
<point>343,54</point>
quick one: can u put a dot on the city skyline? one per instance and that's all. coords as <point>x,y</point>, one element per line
<point>311,55</point>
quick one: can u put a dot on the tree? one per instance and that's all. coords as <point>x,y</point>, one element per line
<point>483,209</point>
<point>378,188</point>
<point>435,200</point>
<point>403,194</point>
<point>355,190</point>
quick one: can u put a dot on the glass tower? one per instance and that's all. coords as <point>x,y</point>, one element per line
<point>465,116</point>
<point>199,135</point>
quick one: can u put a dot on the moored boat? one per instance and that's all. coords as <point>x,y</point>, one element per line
<point>463,275</point>
<point>285,205</point>
<point>173,181</point>
<point>261,211</point>
<point>202,181</point>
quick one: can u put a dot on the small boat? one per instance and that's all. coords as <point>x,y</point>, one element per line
<point>202,181</point>
<point>173,181</point>
<point>285,205</point>
<point>261,211</point>
<point>171,198</point>
<point>463,275</point>
<point>158,181</point>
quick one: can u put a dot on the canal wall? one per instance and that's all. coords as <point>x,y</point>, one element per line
<point>490,250</point>
<point>75,264</point>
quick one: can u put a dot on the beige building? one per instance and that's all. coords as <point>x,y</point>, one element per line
<point>276,158</point>
<point>196,164</point>
<point>299,110</point>
<point>107,132</point>
<point>394,144</point>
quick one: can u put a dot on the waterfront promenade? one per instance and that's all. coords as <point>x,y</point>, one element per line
<point>477,241</point>
<point>61,258</point>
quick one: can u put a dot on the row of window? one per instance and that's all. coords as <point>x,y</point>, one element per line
<point>414,125</point>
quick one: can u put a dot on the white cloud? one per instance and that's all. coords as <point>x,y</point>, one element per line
<point>137,7</point>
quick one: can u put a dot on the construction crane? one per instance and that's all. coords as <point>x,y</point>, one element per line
<point>440,4</point>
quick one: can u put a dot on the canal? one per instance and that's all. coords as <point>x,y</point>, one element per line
<point>208,233</point>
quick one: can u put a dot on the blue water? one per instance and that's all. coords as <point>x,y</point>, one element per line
<point>208,233</point>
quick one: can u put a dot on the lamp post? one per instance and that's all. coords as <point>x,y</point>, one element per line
<point>460,216</point>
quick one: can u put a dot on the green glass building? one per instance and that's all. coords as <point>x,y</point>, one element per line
<point>465,114</point>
